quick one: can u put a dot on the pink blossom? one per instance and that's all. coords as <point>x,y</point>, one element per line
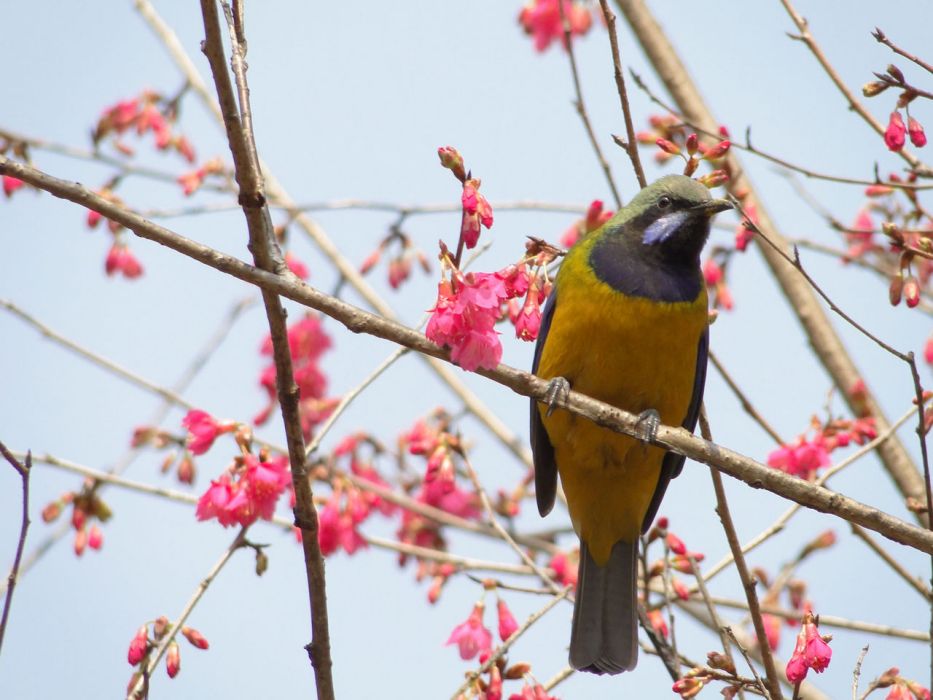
<point>928,351</point>
<point>95,538</point>
<point>565,571</point>
<point>895,133</point>
<point>801,459</point>
<point>810,651</point>
<point>915,130</point>
<point>658,623</point>
<point>298,268</point>
<point>11,184</point>
<point>507,623</point>
<point>121,259</point>
<point>203,429</point>
<point>476,211</point>
<point>463,319</point>
<point>541,19</point>
<point>528,322</point>
<point>471,636</point>
<point>265,482</point>
<point>337,527</point>
<point>215,501</point>
<point>773,628</point>
<point>898,692</point>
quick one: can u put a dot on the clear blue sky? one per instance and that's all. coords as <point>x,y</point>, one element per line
<point>351,100</point>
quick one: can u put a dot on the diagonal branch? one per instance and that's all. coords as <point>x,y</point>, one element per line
<point>357,320</point>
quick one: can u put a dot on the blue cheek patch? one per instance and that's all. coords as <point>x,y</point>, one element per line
<point>662,229</point>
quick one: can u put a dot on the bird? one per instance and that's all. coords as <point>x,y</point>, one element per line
<point>626,323</point>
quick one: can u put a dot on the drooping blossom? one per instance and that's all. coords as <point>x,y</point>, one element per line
<point>895,133</point>
<point>337,523</point>
<point>811,651</point>
<point>532,692</point>
<point>307,342</point>
<point>138,646</point>
<point>121,260</point>
<point>471,636</point>
<point>476,212</point>
<point>247,491</point>
<point>915,130</point>
<point>172,659</point>
<point>860,236</point>
<point>541,19</point>
<point>203,429</point>
<point>507,623</point>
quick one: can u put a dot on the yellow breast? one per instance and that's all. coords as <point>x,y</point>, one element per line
<point>635,354</point>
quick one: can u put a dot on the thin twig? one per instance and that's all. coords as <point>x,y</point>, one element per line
<point>348,398</point>
<point>23,469</point>
<point>176,626</point>
<point>631,144</point>
<point>807,38</point>
<point>581,107</point>
<point>893,563</point>
<point>857,671</point>
<point>745,576</point>
<point>881,38</point>
<point>747,405</point>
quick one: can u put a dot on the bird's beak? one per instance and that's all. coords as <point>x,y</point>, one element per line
<point>713,206</point>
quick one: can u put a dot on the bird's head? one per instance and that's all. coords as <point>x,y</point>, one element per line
<point>672,216</point>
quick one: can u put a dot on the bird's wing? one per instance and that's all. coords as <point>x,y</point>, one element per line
<point>673,463</point>
<point>541,447</point>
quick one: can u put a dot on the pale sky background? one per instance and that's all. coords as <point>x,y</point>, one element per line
<point>351,100</point>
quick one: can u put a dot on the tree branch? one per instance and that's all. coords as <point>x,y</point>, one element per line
<point>357,320</point>
<point>23,469</point>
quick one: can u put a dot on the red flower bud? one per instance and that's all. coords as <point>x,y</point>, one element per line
<point>173,659</point>
<point>668,146</point>
<point>453,161</point>
<point>912,291</point>
<point>915,130</point>
<point>717,151</point>
<point>895,133</point>
<point>196,638</point>
<point>692,144</point>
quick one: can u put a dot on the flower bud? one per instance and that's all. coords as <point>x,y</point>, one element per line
<point>173,659</point>
<point>668,146</point>
<point>714,179</point>
<point>453,161</point>
<point>896,289</point>
<point>196,638</point>
<point>717,151</point>
<point>874,88</point>
<point>915,130</point>
<point>895,73</point>
<point>692,144</point>
<point>912,291</point>
<point>51,511</point>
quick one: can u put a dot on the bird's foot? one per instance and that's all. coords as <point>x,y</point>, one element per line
<point>646,427</point>
<point>557,390</point>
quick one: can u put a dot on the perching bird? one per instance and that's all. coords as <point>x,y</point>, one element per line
<point>626,324</point>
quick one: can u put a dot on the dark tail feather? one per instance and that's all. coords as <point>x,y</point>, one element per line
<point>605,631</point>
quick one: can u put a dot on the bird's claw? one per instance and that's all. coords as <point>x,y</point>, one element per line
<point>557,390</point>
<point>646,427</point>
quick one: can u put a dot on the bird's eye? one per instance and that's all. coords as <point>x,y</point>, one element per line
<point>664,202</point>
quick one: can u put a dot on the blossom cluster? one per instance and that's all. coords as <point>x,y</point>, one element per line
<point>896,132</point>
<point>677,558</point>
<point>307,342</point>
<point>145,113</point>
<point>144,644</point>
<point>400,262</point>
<point>348,506</point>
<point>86,507</point>
<point>806,455</point>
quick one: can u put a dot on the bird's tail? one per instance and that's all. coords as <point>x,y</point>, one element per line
<point>604,638</point>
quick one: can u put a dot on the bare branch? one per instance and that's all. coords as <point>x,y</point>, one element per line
<point>23,469</point>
